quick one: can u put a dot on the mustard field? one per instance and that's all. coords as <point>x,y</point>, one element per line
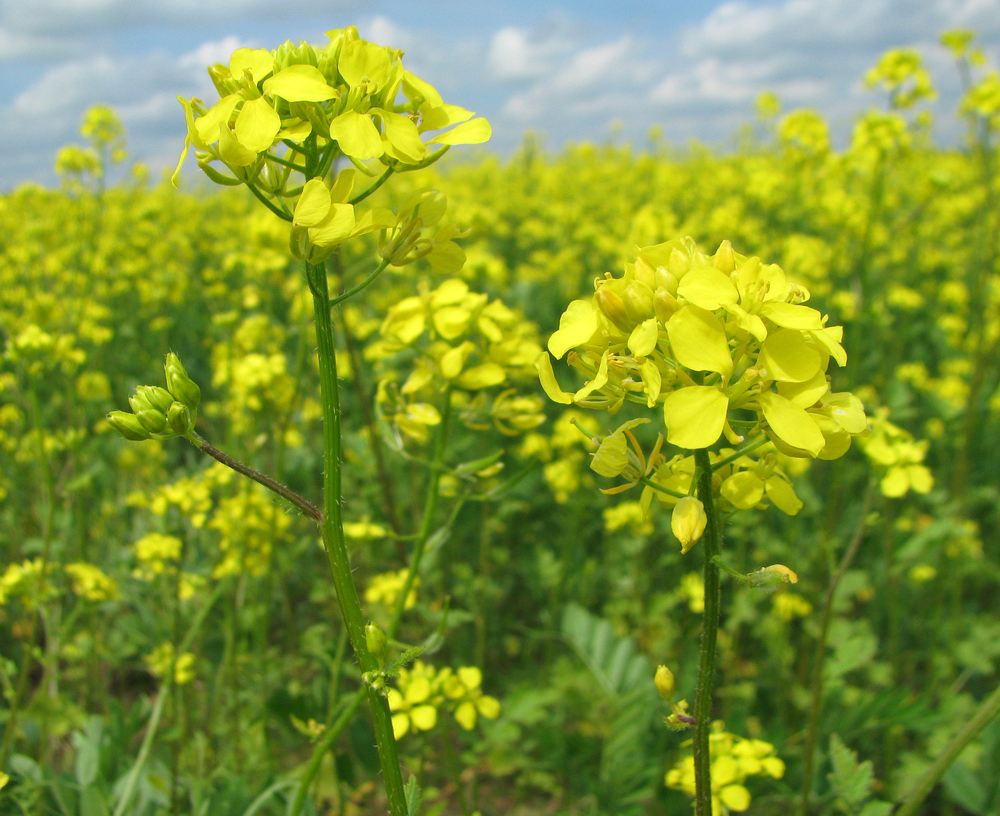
<point>615,480</point>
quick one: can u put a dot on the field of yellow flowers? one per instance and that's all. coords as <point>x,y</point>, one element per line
<point>542,482</point>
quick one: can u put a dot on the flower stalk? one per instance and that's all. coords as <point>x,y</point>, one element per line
<point>712,546</point>
<point>332,529</point>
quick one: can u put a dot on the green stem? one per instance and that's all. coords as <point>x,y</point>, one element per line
<point>363,285</point>
<point>430,507</point>
<point>262,479</point>
<point>812,732</point>
<point>161,699</point>
<point>282,214</point>
<point>712,546</point>
<point>329,735</point>
<point>333,536</point>
<point>984,715</point>
<point>742,451</point>
<point>369,190</point>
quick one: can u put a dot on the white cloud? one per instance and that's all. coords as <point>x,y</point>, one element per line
<point>384,31</point>
<point>210,53</point>
<point>519,54</point>
<point>810,52</point>
<point>602,78</point>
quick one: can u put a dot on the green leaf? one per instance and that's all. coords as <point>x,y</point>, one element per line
<point>88,752</point>
<point>965,788</point>
<point>851,780</point>
<point>413,797</point>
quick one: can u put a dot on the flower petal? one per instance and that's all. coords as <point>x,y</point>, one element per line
<point>695,416</point>
<point>790,423</point>
<point>699,340</point>
<point>576,326</point>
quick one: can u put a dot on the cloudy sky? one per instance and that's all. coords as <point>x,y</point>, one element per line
<point>568,69</point>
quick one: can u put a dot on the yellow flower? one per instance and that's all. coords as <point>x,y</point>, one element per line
<point>688,522</point>
<point>463,689</point>
<point>414,702</point>
<point>90,583</point>
<point>733,759</point>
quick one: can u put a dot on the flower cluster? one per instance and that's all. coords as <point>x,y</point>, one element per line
<point>734,759</point>
<point>898,457</point>
<point>466,342</point>
<point>721,344</point>
<point>285,116</point>
<point>422,691</point>
<point>161,413</point>
<point>384,589</point>
<point>164,657</point>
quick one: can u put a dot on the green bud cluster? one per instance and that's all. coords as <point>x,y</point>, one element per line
<point>160,413</point>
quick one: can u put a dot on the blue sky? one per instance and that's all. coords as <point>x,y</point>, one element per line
<point>568,70</point>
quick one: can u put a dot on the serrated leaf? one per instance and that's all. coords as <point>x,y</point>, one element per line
<point>852,780</point>
<point>413,797</point>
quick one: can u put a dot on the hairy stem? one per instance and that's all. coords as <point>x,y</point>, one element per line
<point>711,546</point>
<point>289,495</point>
<point>333,536</point>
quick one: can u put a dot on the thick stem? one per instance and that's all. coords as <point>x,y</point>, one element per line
<point>712,546</point>
<point>333,536</point>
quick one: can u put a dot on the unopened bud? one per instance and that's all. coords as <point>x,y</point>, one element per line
<point>179,384</point>
<point>664,682</point>
<point>638,300</point>
<point>180,418</point>
<point>724,259</point>
<point>156,397</point>
<point>688,521</point>
<point>377,643</point>
<point>152,421</point>
<point>770,578</point>
<point>128,426</point>
<point>613,308</point>
<point>665,304</point>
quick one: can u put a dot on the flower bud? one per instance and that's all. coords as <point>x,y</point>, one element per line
<point>773,576</point>
<point>688,521</point>
<point>128,426</point>
<point>665,304</point>
<point>180,418</point>
<point>664,682</point>
<point>638,300</point>
<point>223,80</point>
<point>156,397</point>
<point>724,259</point>
<point>377,643</point>
<point>183,388</point>
<point>663,279</point>
<point>613,308</point>
<point>152,421</point>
